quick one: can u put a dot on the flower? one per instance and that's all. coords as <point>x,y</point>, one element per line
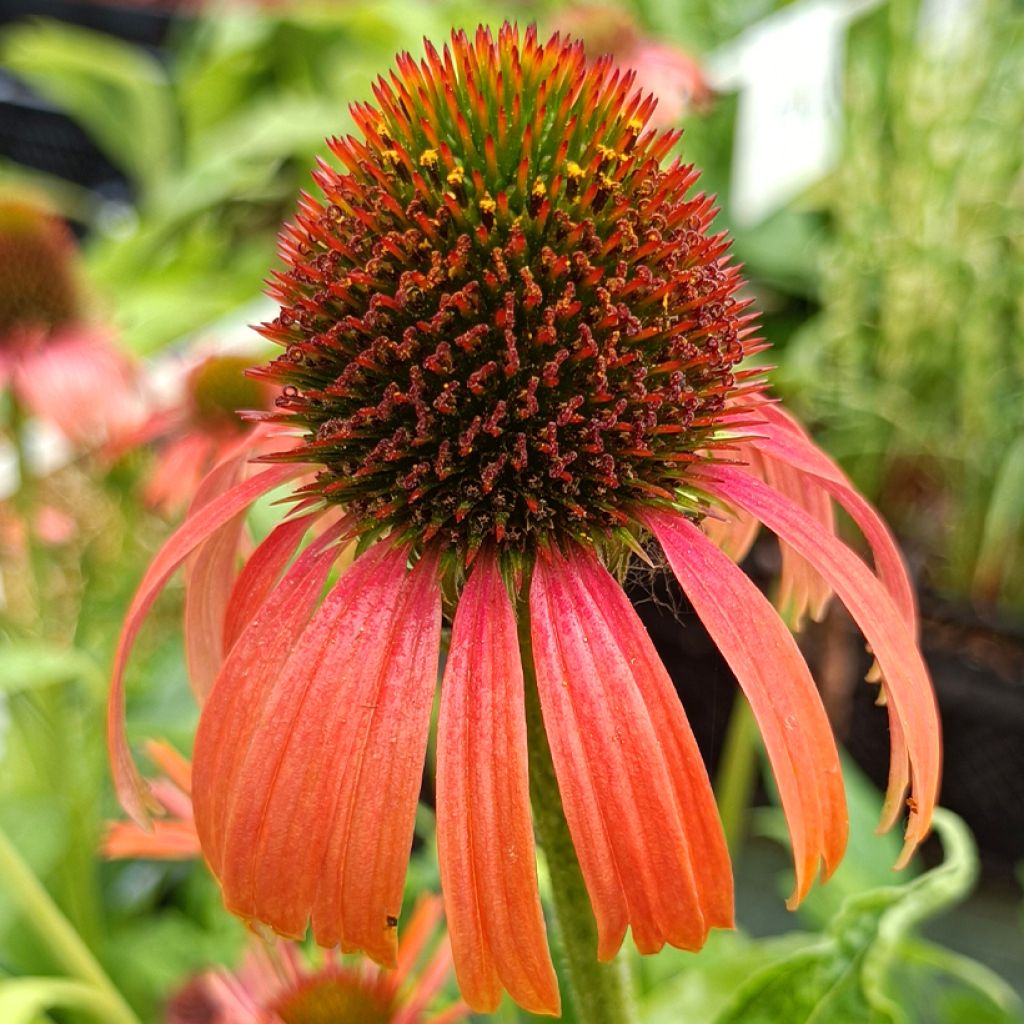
<point>59,367</point>
<point>276,985</point>
<point>202,429</point>
<point>512,355</point>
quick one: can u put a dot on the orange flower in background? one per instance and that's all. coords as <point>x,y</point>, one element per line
<point>512,359</point>
<point>59,366</point>
<point>277,985</point>
<point>203,427</point>
<point>170,837</point>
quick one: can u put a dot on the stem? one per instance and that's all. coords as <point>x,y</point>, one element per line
<point>45,918</point>
<point>737,773</point>
<point>599,991</point>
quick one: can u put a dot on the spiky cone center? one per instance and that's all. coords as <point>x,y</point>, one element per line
<point>37,285</point>
<point>219,390</point>
<point>337,996</point>
<point>505,321</point>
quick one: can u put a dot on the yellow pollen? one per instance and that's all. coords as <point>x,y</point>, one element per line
<point>573,170</point>
<point>456,176</point>
<point>390,157</point>
<point>607,153</point>
<point>540,190</point>
<point>487,204</point>
<point>636,126</point>
<point>428,158</point>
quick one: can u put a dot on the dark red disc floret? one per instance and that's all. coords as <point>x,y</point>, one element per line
<point>506,319</point>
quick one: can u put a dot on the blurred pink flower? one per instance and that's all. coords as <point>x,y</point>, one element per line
<point>58,366</point>
<point>673,76</point>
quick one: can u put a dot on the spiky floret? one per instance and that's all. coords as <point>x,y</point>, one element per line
<point>507,320</point>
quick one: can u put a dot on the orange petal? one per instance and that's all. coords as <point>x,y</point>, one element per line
<point>613,775</point>
<point>776,681</point>
<point>246,680</point>
<point>484,829</point>
<point>131,788</point>
<point>881,620</point>
<point>329,756</point>
<point>786,441</point>
<point>260,573</point>
<point>167,840</point>
<point>389,771</point>
<point>209,577</point>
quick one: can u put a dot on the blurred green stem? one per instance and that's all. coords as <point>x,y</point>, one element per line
<point>45,918</point>
<point>600,991</point>
<point>737,773</point>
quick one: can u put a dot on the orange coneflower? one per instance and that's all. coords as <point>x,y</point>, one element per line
<point>277,985</point>
<point>202,428</point>
<point>512,350</point>
<point>58,365</point>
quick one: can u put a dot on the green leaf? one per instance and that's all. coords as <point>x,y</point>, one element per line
<point>32,665</point>
<point>1003,532</point>
<point>22,1000</point>
<point>850,975</point>
<point>118,93</point>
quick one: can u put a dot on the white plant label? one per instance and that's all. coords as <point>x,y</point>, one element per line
<point>788,69</point>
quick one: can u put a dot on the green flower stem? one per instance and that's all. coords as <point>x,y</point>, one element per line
<point>737,773</point>
<point>599,991</point>
<point>42,915</point>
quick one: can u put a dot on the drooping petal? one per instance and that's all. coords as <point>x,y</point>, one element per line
<point>801,588</point>
<point>698,810</point>
<point>131,789</point>
<point>616,781</point>
<point>389,774</point>
<point>245,681</point>
<point>786,441</point>
<point>259,574</point>
<point>209,578</point>
<point>734,534</point>
<point>776,681</point>
<point>882,622</point>
<point>484,830</point>
<point>782,440</point>
<point>327,759</point>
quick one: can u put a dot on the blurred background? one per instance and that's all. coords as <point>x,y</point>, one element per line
<point>867,156</point>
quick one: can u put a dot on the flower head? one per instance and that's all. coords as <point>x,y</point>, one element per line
<point>37,285</point>
<point>278,985</point>
<point>203,428</point>
<point>508,323</point>
<point>512,353</point>
<point>60,367</point>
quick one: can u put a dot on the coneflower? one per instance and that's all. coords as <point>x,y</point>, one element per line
<point>512,357</point>
<point>202,428</point>
<point>278,985</point>
<point>56,364</point>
